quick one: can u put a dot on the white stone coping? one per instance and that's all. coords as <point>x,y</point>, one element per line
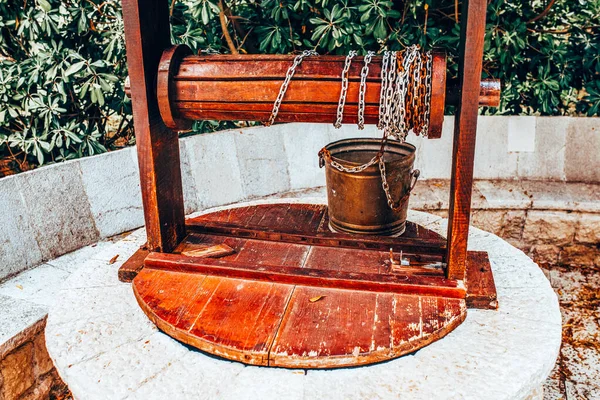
<point>104,346</point>
<point>57,209</point>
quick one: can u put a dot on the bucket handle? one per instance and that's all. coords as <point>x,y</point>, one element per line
<point>414,176</point>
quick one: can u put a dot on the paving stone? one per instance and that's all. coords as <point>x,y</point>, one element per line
<point>39,285</point>
<point>112,185</point>
<point>213,161</point>
<point>58,209</point>
<point>17,373</point>
<point>582,163</point>
<point>18,248</point>
<point>548,160</point>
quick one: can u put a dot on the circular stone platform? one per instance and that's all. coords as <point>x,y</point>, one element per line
<point>105,347</point>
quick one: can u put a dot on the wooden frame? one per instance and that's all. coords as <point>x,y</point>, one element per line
<point>147,36</point>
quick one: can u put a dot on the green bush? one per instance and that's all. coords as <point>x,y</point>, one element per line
<point>62,62</point>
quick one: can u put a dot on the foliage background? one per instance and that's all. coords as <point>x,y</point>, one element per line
<point>62,62</point>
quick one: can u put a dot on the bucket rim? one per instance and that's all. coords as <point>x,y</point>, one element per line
<point>407,158</point>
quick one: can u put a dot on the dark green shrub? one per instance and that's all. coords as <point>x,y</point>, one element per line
<point>62,62</point>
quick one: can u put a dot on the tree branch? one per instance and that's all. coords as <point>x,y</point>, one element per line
<point>223,20</point>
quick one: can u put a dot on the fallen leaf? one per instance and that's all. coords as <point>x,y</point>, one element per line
<point>20,287</point>
<point>315,299</point>
<point>113,260</point>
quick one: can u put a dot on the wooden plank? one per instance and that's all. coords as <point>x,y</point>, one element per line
<point>133,265</point>
<point>340,330</point>
<point>481,288</point>
<point>226,317</point>
<point>147,34</point>
<point>392,283</point>
<point>465,128</point>
<point>298,218</point>
<point>240,319</point>
<point>407,245</point>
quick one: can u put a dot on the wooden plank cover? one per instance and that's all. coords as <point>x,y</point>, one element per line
<point>287,325</point>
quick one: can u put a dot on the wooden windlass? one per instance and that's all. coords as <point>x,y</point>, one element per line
<point>271,284</point>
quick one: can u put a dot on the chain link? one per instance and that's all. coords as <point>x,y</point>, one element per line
<point>363,88</point>
<point>404,104</point>
<point>344,90</point>
<point>288,77</point>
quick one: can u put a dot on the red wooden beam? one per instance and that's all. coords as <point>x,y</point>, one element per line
<point>465,128</point>
<point>147,34</point>
<point>389,283</point>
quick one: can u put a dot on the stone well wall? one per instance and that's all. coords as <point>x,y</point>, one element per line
<point>59,208</point>
<point>26,370</point>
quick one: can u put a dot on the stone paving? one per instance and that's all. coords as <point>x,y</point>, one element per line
<point>577,371</point>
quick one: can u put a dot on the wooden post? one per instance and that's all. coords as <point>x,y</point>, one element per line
<point>465,126</point>
<point>147,34</point>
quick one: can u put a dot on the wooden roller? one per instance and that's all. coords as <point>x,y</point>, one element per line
<point>244,87</point>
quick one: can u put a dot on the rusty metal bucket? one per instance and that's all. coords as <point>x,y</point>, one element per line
<point>357,202</point>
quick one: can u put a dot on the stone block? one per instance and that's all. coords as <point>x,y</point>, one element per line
<point>41,389</point>
<point>302,143</point>
<point>16,318</point>
<point>544,254</point>
<point>190,192</point>
<point>434,156</point>
<point>58,209</point>
<point>521,134</point>
<point>588,230</point>
<point>17,372</point>
<point>213,162</point>
<point>43,362</point>
<point>582,152</point>
<point>262,161</point>
<point>112,185</point>
<point>552,227</point>
<point>38,285</point>
<point>492,158</point>
<point>18,248</point>
<point>548,159</point>
<point>488,220</point>
<point>503,194</point>
<point>580,255</point>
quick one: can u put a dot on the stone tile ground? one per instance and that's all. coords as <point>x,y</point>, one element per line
<point>577,371</point>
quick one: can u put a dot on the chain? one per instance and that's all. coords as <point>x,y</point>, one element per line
<point>363,88</point>
<point>404,104</point>
<point>344,91</point>
<point>288,77</point>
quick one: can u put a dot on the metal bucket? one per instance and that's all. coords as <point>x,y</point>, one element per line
<point>357,202</point>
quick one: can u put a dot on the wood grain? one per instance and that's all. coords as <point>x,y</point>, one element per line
<point>288,310</point>
<point>465,129</point>
<point>147,34</point>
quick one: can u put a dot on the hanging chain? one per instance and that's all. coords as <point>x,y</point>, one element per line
<point>404,104</point>
<point>288,77</point>
<point>363,88</point>
<point>344,91</point>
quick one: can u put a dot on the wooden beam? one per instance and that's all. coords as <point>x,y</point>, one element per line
<point>465,127</point>
<point>147,35</point>
<point>387,283</point>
